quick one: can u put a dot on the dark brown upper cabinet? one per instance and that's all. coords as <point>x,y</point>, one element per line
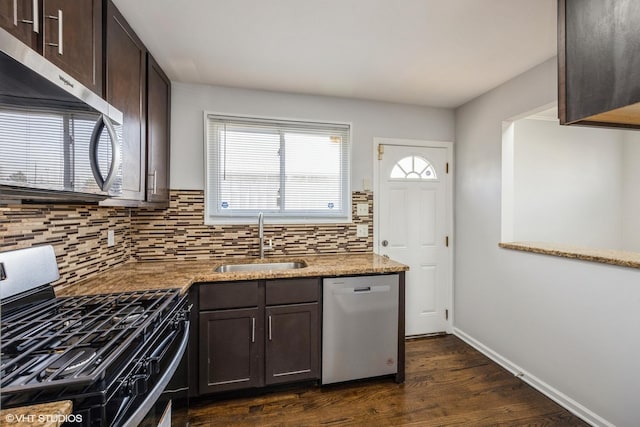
<point>72,39</point>
<point>598,62</point>
<point>125,89</point>
<point>136,85</point>
<point>21,20</point>
<point>158,131</point>
<point>67,33</point>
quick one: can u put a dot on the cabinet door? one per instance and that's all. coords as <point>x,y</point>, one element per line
<point>72,39</point>
<point>126,90</point>
<point>17,16</point>
<point>231,343</point>
<point>293,343</point>
<point>158,119</point>
<point>598,63</point>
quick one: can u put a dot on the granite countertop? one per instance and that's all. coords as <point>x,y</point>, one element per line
<point>43,415</point>
<point>134,276</point>
<point>137,276</point>
<point>606,256</point>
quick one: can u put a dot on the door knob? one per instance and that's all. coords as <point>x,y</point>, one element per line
<point>385,243</point>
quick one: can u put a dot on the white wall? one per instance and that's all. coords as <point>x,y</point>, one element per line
<point>573,325</point>
<point>567,184</point>
<point>631,192</point>
<point>369,119</point>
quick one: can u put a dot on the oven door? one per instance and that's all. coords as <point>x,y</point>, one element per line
<point>172,407</point>
<point>147,386</point>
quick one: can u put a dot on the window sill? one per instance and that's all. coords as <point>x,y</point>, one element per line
<point>605,256</point>
<point>270,220</point>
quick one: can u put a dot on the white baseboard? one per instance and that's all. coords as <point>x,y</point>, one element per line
<point>544,388</point>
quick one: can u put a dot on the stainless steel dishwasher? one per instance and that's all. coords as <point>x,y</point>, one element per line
<point>359,327</point>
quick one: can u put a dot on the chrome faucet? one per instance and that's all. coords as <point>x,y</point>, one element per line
<point>261,233</point>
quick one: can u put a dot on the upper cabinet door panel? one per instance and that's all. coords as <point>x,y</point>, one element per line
<point>126,91</point>
<point>67,33</point>
<point>17,17</point>
<point>158,121</point>
<point>598,59</point>
<point>72,39</point>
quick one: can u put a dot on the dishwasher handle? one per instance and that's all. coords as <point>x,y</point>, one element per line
<point>361,289</point>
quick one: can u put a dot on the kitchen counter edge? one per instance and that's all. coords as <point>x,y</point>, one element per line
<point>605,256</point>
<point>181,274</point>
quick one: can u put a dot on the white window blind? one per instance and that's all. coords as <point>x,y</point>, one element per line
<point>291,171</point>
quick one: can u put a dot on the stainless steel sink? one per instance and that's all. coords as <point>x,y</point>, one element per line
<point>267,266</point>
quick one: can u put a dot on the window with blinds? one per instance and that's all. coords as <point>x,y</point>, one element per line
<point>291,171</point>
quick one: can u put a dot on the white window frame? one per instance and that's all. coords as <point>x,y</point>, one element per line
<point>213,218</point>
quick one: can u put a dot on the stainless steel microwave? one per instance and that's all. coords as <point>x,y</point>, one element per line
<point>58,140</point>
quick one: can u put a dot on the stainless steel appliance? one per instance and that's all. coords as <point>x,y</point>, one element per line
<point>113,355</point>
<point>359,327</point>
<point>58,140</point>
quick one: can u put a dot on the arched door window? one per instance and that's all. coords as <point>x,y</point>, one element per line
<point>413,167</point>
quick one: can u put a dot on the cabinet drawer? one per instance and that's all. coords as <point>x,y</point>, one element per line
<point>292,291</point>
<point>214,296</point>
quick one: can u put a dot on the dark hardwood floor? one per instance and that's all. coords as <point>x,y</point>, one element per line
<point>448,383</point>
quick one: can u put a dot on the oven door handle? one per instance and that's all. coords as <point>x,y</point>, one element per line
<point>157,390</point>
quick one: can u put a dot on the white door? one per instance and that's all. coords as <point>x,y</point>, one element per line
<point>412,192</point>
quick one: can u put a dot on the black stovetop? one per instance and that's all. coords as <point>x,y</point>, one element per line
<point>77,341</point>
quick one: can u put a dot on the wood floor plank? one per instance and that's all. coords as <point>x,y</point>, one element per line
<point>448,383</point>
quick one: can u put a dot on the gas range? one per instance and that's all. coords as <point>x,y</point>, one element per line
<point>111,354</point>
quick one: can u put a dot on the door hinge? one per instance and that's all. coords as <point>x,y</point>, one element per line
<point>447,167</point>
<point>380,151</point>
<point>446,241</point>
<point>446,314</point>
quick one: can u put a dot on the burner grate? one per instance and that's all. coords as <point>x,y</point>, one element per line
<point>48,345</point>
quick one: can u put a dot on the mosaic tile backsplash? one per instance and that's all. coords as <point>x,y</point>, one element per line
<point>180,233</point>
<point>79,234</point>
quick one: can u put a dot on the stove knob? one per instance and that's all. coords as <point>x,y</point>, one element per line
<point>138,385</point>
<point>153,365</point>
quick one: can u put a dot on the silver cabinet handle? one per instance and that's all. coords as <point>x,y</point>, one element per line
<point>385,243</point>
<point>155,181</point>
<point>35,16</point>
<point>15,13</point>
<point>104,183</point>
<point>253,329</point>
<point>60,31</point>
<point>269,327</point>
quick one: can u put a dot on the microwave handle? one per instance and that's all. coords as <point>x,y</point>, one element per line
<point>104,183</point>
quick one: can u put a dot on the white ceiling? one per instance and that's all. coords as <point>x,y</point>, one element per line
<point>425,52</point>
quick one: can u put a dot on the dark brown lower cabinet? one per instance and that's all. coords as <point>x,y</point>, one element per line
<point>293,343</point>
<point>256,333</point>
<point>231,348</point>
